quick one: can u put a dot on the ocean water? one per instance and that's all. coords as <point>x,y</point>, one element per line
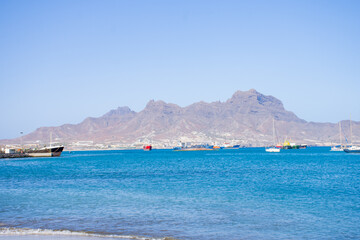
<point>227,194</point>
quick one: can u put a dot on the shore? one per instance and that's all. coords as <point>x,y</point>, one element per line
<point>51,237</point>
<point>7,233</point>
<point>14,155</point>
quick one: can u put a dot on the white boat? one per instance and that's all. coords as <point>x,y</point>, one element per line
<point>339,148</point>
<point>352,149</point>
<point>273,149</point>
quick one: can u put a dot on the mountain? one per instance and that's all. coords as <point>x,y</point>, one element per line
<point>245,118</point>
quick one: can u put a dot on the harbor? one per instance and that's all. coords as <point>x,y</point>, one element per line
<point>179,120</point>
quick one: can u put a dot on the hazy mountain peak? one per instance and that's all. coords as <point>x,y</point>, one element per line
<point>161,106</point>
<point>242,94</point>
<point>119,111</point>
<point>253,97</point>
<point>153,103</point>
<point>252,90</point>
<point>240,97</point>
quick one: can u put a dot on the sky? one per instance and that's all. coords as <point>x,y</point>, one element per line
<point>64,61</point>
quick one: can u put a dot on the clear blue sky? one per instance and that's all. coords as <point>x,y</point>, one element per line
<point>62,61</point>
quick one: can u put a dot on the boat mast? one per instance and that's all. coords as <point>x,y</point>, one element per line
<point>274,132</point>
<point>21,139</point>
<point>50,138</point>
<point>350,131</point>
<point>340,133</point>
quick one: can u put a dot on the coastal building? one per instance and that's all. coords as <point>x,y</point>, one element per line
<point>9,150</point>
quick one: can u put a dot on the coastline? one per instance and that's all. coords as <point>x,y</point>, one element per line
<point>10,233</point>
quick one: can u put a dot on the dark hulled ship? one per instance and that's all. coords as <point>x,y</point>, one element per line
<point>52,151</point>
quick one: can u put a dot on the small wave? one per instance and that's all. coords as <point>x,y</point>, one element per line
<point>48,232</point>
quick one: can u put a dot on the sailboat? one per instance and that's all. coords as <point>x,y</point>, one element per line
<point>338,148</point>
<point>352,149</point>
<point>273,149</point>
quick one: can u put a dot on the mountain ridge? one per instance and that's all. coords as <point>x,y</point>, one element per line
<point>245,118</point>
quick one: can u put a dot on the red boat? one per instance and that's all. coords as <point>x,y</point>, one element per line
<point>147,148</point>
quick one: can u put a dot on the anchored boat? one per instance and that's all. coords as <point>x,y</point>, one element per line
<point>352,149</point>
<point>147,148</point>
<point>339,148</point>
<point>52,151</point>
<point>273,149</point>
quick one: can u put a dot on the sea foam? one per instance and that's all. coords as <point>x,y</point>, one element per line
<point>48,232</point>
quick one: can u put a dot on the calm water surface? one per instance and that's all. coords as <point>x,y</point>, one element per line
<point>225,194</point>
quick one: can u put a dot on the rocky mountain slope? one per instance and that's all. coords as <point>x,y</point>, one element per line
<point>246,119</point>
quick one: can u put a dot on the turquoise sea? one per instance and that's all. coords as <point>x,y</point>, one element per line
<point>227,194</point>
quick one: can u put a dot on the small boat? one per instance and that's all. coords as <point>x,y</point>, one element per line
<point>339,148</point>
<point>147,148</point>
<point>273,149</point>
<point>352,149</point>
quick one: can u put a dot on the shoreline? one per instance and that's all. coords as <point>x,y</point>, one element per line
<point>12,233</point>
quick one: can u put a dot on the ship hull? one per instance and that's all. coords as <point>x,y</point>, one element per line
<point>147,148</point>
<point>351,151</point>
<point>46,152</point>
